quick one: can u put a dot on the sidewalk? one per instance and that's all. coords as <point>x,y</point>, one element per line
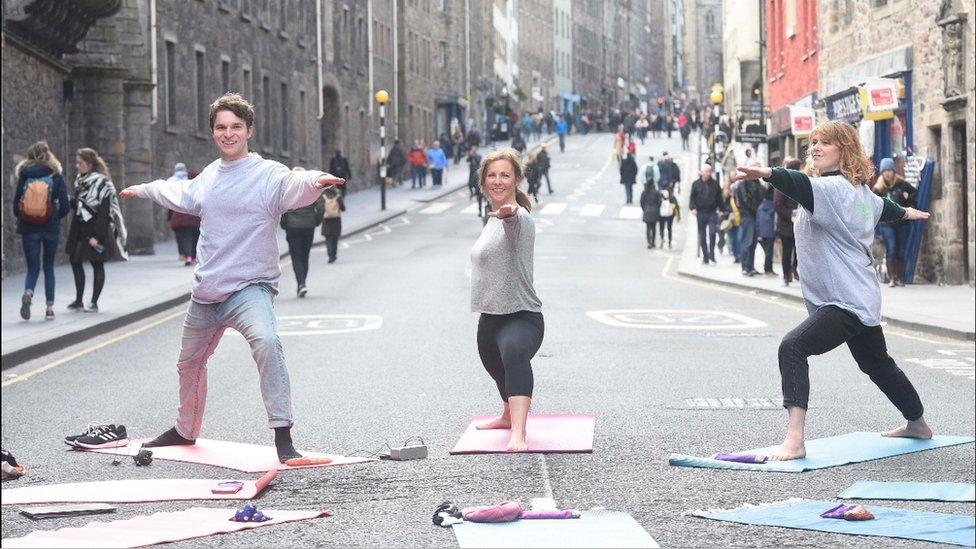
<point>146,285</point>
<point>946,311</point>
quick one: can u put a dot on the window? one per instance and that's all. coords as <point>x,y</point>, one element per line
<point>283,16</point>
<point>169,83</point>
<point>285,129</point>
<point>245,8</point>
<point>224,75</point>
<point>266,103</point>
<point>246,87</point>
<point>442,56</point>
<point>200,84</point>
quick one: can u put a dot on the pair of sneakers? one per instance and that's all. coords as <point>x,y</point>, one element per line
<point>99,435</point>
<point>79,306</point>
<point>25,308</point>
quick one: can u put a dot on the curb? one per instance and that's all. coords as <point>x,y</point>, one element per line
<point>908,325</point>
<point>38,350</point>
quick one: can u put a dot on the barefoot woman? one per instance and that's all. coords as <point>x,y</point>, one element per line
<point>511,327</point>
<point>834,232</point>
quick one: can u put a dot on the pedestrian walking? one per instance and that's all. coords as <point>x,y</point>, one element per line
<point>669,212</point>
<point>785,212</point>
<point>239,198</point>
<point>562,128</point>
<point>641,126</point>
<point>895,234</point>
<point>40,202</point>
<point>650,202</point>
<point>766,229</point>
<point>511,325</point>
<point>332,221</point>
<point>459,145</point>
<point>418,165</point>
<point>748,195</point>
<point>834,231</point>
<point>518,143</point>
<point>437,161</point>
<point>97,231</point>
<point>649,172</point>
<point>186,227</point>
<point>669,124</point>
<point>533,175</point>
<point>339,167</point>
<point>685,131</point>
<point>619,142</point>
<point>299,225</point>
<point>542,157</point>
<point>704,203</point>
<point>628,176</point>
<point>670,174</point>
<point>631,146</point>
<point>729,225</point>
<point>447,146</point>
<point>395,161</point>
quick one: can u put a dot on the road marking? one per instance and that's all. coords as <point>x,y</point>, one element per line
<point>592,210</point>
<point>470,209</point>
<point>437,207</point>
<point>674,319</point>
<point>957,362</point>
<point>553,208</point>
<point>631,212</point>
<point>305,325</point>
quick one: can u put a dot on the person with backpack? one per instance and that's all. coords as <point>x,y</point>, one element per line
<point>97,231</point>
<point>40,202</point>
<point>650,201</point>
<point>669,211</point>
<point>650,172</point>
<point>332,221</point>
<point>299,225</point>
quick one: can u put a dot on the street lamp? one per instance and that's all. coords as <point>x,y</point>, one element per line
<point>382,97</point>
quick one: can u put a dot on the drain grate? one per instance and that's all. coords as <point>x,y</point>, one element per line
<point>733,403</point>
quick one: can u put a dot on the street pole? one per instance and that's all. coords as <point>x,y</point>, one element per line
<point>382,97</point>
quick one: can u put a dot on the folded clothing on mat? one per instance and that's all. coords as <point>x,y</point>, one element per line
<point>848,512</point>
<point>505,511</point>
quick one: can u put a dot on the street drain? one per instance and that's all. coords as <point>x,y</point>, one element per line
<point>732,403</point>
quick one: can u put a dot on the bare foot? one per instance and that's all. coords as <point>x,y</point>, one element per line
<point>517,443</point>
<point>912,429</point>
<point>500,422</point>
<point>789,449</point>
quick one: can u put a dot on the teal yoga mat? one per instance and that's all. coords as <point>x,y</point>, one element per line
<point>827,452</point>
<point>598,528</point>
<point>911,491</point>
<point>888,522</point>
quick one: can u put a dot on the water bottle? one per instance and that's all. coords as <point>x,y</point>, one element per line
<point>99,248</point>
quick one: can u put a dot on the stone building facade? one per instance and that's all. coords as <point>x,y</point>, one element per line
<point>536,80</point>
<point>589,70</point>
<point>703,47</point>
<point>926,48</point>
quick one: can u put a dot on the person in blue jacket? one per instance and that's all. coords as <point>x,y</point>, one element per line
<point>39,178</point>
<point>437,161</point>
<point>562,128</point>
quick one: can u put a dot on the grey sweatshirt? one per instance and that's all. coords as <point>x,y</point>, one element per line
<point>502,265</point>
<point>239,204</point>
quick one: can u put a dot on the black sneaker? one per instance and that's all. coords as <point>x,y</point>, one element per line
<point>92,429</point>
<point>93,308</point>
<point>111,437</point>
<point>76,306</point>
<point>25,303</point>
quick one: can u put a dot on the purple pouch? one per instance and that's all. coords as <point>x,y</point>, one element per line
<point>740,458</point>
<point>836,512</point>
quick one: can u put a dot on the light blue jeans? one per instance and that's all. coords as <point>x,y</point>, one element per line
<point>250,311</point>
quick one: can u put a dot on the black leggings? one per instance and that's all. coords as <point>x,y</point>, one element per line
<point>506,344</point>
<point>665,223</point>
<point>651,227</point>
<point>825,330</point>
<point>789,257</point>
<point>99,274</point>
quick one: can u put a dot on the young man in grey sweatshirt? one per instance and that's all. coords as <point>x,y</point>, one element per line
<point>239,198</point>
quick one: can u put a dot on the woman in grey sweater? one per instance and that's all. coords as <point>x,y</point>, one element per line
<point>511,326</point>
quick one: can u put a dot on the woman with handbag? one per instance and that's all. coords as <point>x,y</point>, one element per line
<point>332,221</point>
<point>97,231</point>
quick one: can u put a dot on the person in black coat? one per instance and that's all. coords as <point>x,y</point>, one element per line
<point>542,157</point>
<point>748,196</point>
<point>650,201</point>
<point>42,170</point>
<point>705,201</point>
<point>395,161</point>
<point>628,176</point>
<point>339,167</point>
<point>332,207</point>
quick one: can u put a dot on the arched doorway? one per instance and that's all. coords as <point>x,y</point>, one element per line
<point>331,122</point>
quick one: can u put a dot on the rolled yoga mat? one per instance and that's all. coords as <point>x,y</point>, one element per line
<point>827,452</point>
<point>911,491</point>
<point>888,522</point>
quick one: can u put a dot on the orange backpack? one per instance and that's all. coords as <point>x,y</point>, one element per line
<point>36,206</point>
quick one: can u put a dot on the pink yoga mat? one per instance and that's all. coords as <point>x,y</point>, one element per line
<point>249,458</point>
<point>545,434</point>
<point>131,491</point>
<point>156,528</point>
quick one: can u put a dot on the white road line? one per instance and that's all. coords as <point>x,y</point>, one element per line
<point>437,207</point>
<point>631,212</point>
<point>592,210</point>
<point>553,208</point>
<point>470,209</point>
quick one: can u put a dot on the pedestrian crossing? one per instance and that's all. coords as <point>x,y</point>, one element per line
<point>544,210</point>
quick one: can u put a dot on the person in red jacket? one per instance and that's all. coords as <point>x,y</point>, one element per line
<point>185,227</point>
<point>418,165</point>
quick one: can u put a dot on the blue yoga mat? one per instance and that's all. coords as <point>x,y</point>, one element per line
<point>827,452</point>
<point>598,528</point>
<point>911,491</point>
<point>888,522</point>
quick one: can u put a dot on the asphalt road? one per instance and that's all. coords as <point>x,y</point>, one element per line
<point>410,367</point>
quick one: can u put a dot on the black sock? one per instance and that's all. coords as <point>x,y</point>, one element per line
<point>286,450</point>
<point>169,438</point>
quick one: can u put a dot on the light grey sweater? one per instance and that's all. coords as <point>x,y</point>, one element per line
<point>502,266</point>
<point>239,204</point>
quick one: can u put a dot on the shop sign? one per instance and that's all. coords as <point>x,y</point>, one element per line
<point>753,133</point>
<point>865,92</point>
<point>881,97</point>
<point>846,106</point>
<point>801,120</point>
